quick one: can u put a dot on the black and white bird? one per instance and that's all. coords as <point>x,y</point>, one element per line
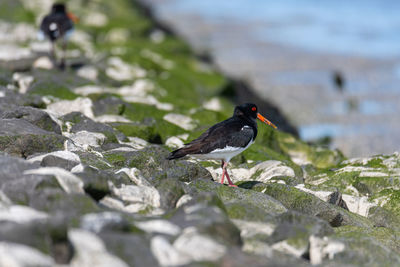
<point>58,25</point>
<point>226,139</point>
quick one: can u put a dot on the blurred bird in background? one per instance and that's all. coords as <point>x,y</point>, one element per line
<point>58,25</point>
<point>339,80</point>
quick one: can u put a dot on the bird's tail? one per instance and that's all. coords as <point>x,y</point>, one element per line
<point>176,154</point>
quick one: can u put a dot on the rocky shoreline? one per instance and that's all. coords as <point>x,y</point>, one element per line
<point>83,175</point>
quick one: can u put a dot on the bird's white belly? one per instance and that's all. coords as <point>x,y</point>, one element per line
<point>225,153</point>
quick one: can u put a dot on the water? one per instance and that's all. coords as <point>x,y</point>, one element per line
<point>289,49</point>
<point>371,27</point>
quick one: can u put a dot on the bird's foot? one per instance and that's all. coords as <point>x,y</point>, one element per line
<point>232,185</point>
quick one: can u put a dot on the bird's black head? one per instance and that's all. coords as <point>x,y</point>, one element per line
<point>58,8</point>
<point>248,110</point>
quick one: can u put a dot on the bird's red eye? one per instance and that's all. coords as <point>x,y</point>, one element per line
<point>253,108</point>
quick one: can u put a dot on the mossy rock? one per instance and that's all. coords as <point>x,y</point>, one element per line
<point>382,217</point>
<point>26,145</point>
<point>35,116</point>
<point>12,98</point>
<point>367,246</point>
<point>145,130</point>
<point>52,89</point>
<point>21,138</point>
<point>389,199</point>
<point>241,203</point>
<point>208,214</point>
<point>387,237</point>
<point>248,212</point>
<point>295,199</point>
<point>22,189</point>
<point>13,11</point>
<point>82,123</point>
<point>170,190</point>
<point>40,235</point>
<point>319,156</point>
<point>332,180</point>
<point>296,228</point>
<point>372,185</point>
<point>96,181</point>
<point>121,244</point>
<point>71,205</point>
<point>5,78</point>
<point>107,104</point>
<point>152,162</point>
<point>92,159</point>
<point>151,122</point>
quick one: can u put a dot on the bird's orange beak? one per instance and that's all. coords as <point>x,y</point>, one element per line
<point>72,17</point>
<point>263,119</point>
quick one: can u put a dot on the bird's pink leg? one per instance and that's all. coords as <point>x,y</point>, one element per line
<point>224,171</point>
<point>53,56</point>
<point>64,51</point>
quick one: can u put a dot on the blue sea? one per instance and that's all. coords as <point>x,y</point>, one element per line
<point>361,27</point>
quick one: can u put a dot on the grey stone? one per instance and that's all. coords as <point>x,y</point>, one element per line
<point>105,222</point>
<point>90,250</point>
<point>152,162</point>
<point>27,187</point>
<point>145,129</point>
<point>69,182</point>
<point>294,230</point>
<point>108,104</point>
<point>207,214</point>
<point>382,217</point>
<point>57,202</point>
<point>12,254</point>
<point>336,199</point>
<point>12,98</point>
<point>159,226</point>
<point>21,138</point>
<point>35,116</point>
<point>241,203</point>
<point>96,181</point>
<point>54,161</point>
<point>290,220</point>
<point>93,160</point>
<point>49,236</point>
<point>170,191</point>
<point>134,249</point>
<point>12,168</point>
<point>21,58</point>
<point>198,246</point>
<point>55,83</point>
<point>83,123</point>
<point>295,199</point>
<point>237,258</point>
<point>364,250</point>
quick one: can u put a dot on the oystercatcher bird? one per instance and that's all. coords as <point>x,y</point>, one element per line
<point>226,139</point>
<point>58,25</point>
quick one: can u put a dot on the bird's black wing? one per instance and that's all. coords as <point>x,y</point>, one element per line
<point>227,133</point>
<point>61,22</point>
<point>231,132</point>
<point>45,25</point>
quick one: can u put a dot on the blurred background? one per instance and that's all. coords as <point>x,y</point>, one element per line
<point>332,67</point>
